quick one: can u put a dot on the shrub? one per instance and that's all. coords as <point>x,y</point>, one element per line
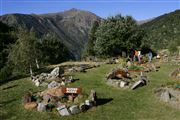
<point>5,74</point>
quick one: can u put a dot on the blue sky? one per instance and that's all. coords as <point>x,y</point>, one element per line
<point>139,9</point>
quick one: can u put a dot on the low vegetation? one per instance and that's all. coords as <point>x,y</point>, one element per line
<point>117,104</point>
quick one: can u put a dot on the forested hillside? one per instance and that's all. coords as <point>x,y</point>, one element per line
<point>163,30</point>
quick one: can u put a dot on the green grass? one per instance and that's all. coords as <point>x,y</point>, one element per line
<point>140,104</point>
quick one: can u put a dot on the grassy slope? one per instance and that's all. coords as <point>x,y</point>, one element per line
<point>126,104</point>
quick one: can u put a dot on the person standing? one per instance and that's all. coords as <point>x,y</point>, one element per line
<point>150,56</point>
<point>139,57</point>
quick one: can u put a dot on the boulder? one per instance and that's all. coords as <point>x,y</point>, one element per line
<point>41,107</point>
<point>27,98</point>
<point>74,109</point>
<point>71,98</point>
<point>83,107</point>
<point>44,84</point>
<point>93,95</point>
<point>129,64</point>
<point>123,84</point>
<point>117,73</point>
<point>53,92</point>
<point>88,103</point>
<point>165,96</point>
<point>138,84</point>
<point>63,111</point>
<point>30,106</point>
<point>37,83</point>
<point>53,84</point>
<point>55,72</point>
<point>47,98</point>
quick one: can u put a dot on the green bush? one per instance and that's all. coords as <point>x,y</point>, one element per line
<point>5,74</point>
<point>134,67</point>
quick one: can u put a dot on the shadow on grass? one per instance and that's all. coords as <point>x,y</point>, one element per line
<point>9,87</point>
<point>102,101</point>
<point>6,102</point>
<point>13,78</point>
<point>17,76</point>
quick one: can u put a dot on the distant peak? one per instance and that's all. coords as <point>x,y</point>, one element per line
<point>73,9</point>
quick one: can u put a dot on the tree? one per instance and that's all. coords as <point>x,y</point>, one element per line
<point>6,38</point>
<point>24,52</point>
<point>89,51</point>
<point>117,34</point>
<point>53,51</point>
<point>173,47</point>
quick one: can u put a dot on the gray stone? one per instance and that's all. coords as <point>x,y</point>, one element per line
<point>47,98</point>
<point>138,84</point>
<point>93,95</point>
<point>165,96</point>
<point>83,107</point>
<point>123,84</point>
<point>53,84</point>
<point>44,84</point>
<point>88,103</point>
<point>37,83</point>
<point>55,72</point>
<point>74,109</point>
<point>41,107</point>
<point>63,111</point>
<point>129,64</point>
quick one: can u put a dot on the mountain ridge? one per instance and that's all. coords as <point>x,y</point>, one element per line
<point>71,26</point>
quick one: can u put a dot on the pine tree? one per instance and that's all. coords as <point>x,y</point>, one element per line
<point>91,39</point>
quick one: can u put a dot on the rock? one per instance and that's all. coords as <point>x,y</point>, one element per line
<point>165,96</point>
<point>71,98</point>
<point>53,84</point>
<point>27,98</point>
<point>88,103</point>
<point>41,107</point>
<point>176,74</point>
<point>47,98</point>
<point>30,106</point>
<point>83,107</point>
<point>37,83</point>
<point>74,109</point>
<point>151,67</point>
<point>63,111</point>
<point>53,92</point>
<point>129,64</point>
<point>138,84</point>
<point>123,84</point>
<point>44,84</point>
<point>55,72</point>
<point>63,83</point>
<point>117,73</point>
<point>93,95</point>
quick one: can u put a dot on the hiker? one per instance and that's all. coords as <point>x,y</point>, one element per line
<point>150,56</point>
<point>139,57</point>
<point>135,55</point>
<point>131,56</point>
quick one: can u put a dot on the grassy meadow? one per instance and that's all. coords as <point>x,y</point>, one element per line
<point>117,104</point>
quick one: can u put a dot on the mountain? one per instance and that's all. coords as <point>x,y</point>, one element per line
<point>71,26</point>
<point>163,30</point>
<point>144,21</point>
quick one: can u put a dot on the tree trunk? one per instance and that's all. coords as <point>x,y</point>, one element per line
<point>30,69</point>
<point>37,65</point>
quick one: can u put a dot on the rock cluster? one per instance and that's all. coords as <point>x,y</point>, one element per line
<point>169,95</point>
<point>176,74</point>
<point>121,78</point>
<point>41,79</point>
<point>56,98</point>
